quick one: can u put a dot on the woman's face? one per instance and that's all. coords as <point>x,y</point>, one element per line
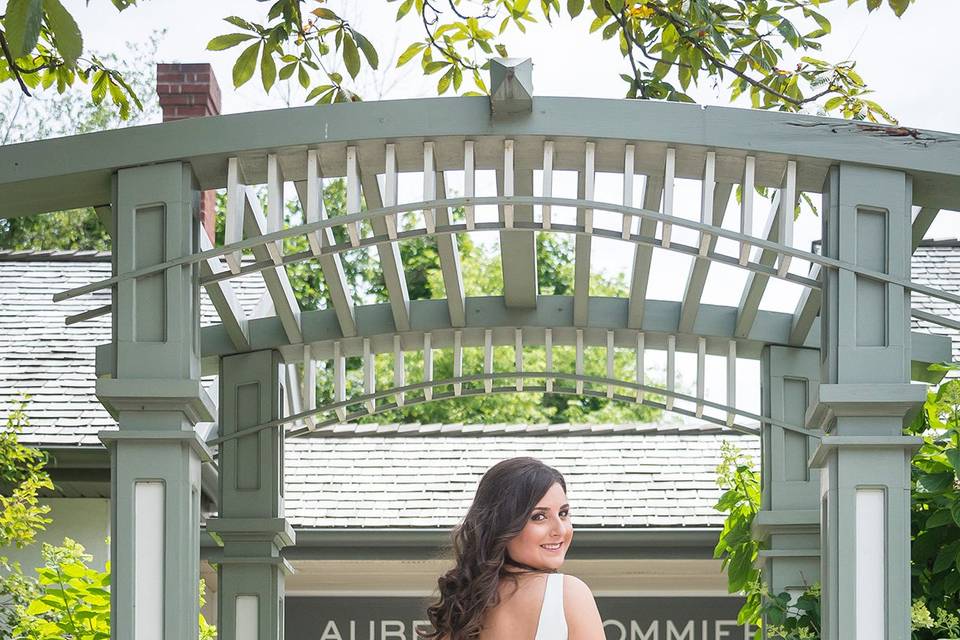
<point>544,540</point>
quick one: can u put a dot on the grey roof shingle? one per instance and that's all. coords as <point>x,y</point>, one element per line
<point>937,264</point>
<point>612,480</point>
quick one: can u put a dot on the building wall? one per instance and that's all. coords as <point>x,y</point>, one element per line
<point>86,520</point>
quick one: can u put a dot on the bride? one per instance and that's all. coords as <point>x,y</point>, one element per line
<point>505,584</point>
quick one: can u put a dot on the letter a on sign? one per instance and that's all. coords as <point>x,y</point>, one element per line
<point>331,632</point>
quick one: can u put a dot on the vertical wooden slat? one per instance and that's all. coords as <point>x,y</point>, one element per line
<point>313,208</point>
<point>589,183</point>
<point>583,243</point>
<point>331,265</point>
<point>643,254</point>
<point>641,365</point>
<point>611,353</point>
<point>488,359</point>
<point>669,174</point>
<point>788,201</point>
<point>369,375</point>
<point>518,356</point>
<point>427,366</point>
<point>457,361</point>
<point>547,182</point>
<point>469,183</point>
<point>508,179</point>
<point>628,163</point>
<point>353,194</point>
<point>399,372</point>
<point>339,380</point>
<point>747,193</point>
<point>548,352</point>
<point>706,200</point>
<point>274,206</point>
<point>671,369</point>
<point>234,214</point>
<point>701,373</point>
<point>449,254</point>
<point>579,360</point>
<point>429,187</point>
<point>731,380</point>
<point>389,254</point>
<point>390,188</point>
<point>309,386</point>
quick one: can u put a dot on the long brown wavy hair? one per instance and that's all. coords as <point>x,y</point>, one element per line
<point>505,498</point>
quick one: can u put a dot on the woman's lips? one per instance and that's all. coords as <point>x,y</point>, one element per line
<point>552,547</point>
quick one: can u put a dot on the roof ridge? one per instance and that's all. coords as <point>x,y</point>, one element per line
<point>940,242</point>
<point>54,255</point>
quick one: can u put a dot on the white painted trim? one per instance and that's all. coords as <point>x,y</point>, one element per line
<point>547,181</point>
<point>148,531</point>
<point>247,617</point>
<point>871,580</point>
<point>508,182</point>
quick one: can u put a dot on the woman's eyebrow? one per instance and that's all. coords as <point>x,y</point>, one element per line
<point>563,506</point>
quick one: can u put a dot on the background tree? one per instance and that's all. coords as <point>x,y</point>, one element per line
<point>24,118</point>
<point>761,48</point>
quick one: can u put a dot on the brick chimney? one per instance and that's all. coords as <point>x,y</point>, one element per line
<point>191,91</point>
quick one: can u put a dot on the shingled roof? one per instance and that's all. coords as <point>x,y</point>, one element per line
<point>396,475</point>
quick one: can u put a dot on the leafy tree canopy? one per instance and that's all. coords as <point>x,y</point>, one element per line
<point>766,49</point>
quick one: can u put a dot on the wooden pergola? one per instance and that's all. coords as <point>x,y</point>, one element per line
<point>839,375</point>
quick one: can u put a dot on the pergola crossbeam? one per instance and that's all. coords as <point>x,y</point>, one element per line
<point>274,278</point>
<point>449,254</point>
<point>714,200</point>
<point>921,224</point>
<point>310,193</point>
<point>224,300</point>
<point>757,282</point>
<point>643,253</point>
<point>389,253</point>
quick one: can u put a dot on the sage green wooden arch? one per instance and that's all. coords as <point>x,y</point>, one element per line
<point>836,373</point>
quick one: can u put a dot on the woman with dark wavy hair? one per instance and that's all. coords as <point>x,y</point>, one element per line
<point>505,584</point>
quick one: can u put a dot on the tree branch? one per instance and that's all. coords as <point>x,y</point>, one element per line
<point>717,62</point>
<point>13,65</point>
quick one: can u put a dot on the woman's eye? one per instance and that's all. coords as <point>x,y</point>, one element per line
<point>565,514</point>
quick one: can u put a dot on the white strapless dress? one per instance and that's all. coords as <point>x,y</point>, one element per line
<point>552,624</point>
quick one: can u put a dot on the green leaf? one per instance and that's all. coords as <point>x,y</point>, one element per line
<point>351,57</point>
<point>940,518</point>
<point>228,40</point>
<point>369,52</point>
<point>445,81</point>
<point>239,22</point>
<point>411,51</point>
<point>304,76</point>
<point>599,7</point>
<point>946,557</point>
<point>325,14</point>
<point>953,455</point>
<point>833,103</point>
<point>22,25</point>
<point>934,482</point>
<point>404,9</point>
<point>66,33</point>
<point>245,65</point>
<point>574,7</point>
<point>268,69</point>
<point>286,71</point>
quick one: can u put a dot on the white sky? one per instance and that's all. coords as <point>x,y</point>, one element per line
<point>908,62</point>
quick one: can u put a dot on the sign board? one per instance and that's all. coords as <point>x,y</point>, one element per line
<point>625,618</point>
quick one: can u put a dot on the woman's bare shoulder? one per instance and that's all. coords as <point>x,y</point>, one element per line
<point>580,610</point>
